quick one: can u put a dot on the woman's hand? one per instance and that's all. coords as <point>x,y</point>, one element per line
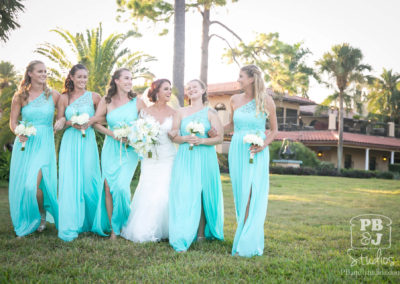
<point>172,134</point>
<point>255,149</point>
<point>212,132</point>
<point>60,123</point>
<point>23,138</point>
<point>194,140</point>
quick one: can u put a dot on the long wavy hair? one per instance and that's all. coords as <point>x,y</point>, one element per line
<point>26,82</point>
<point>204,96</point>
<point>259,90</point>
<point>112,87</point>
<point>155,88</point>
<point>68,83</point>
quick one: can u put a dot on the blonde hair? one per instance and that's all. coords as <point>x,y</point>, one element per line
<point>23,90</point>
<point>259,90</point>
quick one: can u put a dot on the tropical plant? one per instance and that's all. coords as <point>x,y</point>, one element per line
<point>100,57</point>
<point>159,11</point>
<point>8,17</point>
<point>343,66</point>
<point>8,75</point>
<point>283,64</point>
<point>384,96</point>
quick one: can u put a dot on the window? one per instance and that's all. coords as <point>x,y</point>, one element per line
<point>347,161</point>
<point>372,163</point>
<point>291,116</point>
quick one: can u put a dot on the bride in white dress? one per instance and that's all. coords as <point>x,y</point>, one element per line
<point>148,219</point>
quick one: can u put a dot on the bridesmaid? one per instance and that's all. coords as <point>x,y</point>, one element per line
<point>250,182</point>
<point>33,172</point>
<point>196,204</point>
<point>79,167</point>
<point>119,106</point>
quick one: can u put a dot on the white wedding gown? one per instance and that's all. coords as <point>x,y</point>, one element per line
<point>148,220</point>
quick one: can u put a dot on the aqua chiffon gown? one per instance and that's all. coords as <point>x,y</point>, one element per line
<point>80,182</point>
<point>118,168</point>
<point>39,155</point>
<point>195,180</point>
<point>249,237</point>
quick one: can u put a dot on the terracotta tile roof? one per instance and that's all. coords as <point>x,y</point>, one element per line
<point>231,88</point>
<point>349,139</point>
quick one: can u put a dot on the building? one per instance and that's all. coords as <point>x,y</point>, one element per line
<point>366,145</point>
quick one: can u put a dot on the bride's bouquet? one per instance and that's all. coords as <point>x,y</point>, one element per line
<point>194,128</point>
<point>121,131</point>
<point>145,134</point>
<point>253,140</point>
<point>26,129</point>
<point>80,119</point>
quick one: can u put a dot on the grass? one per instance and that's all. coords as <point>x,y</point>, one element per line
<point>307,234</point>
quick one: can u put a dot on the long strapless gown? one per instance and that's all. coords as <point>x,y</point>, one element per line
<point>195,180</point>
<point>148,221</point>
<point>80,182</point>
<point>25,165</point>
<point>249,180</point>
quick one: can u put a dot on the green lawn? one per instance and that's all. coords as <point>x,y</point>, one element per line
<point>307,234</point>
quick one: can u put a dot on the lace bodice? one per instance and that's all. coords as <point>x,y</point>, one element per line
<point>246,119</point>
<point>40,111</point>
<point>202,117</point>
<point>83,104</point>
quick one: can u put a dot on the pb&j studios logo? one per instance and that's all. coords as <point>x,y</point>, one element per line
<point>370,234</point>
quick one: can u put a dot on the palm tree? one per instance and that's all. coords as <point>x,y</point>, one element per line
<point>100,57</point>
<point>384,95</point>
<point>179,50</point>
<point>343,65</point>
<point>8,17</point>
<point>7,74</point>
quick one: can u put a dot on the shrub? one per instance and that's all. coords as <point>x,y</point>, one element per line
<point>292,171</point>
<point>302,153</point>
<point>385,175</point>
<point>223,163</point>
<point>5,160</point>
<point>357,173</point>
<point>394,168</point>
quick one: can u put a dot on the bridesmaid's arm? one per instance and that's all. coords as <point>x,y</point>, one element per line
<point>174,134</point>
<point>140,105</point>
<point>228,128</point>
<point>102,129</point>
<point>100,115</point>
<point>217,125</point>
<point>60,119</point>
<point>269,134</point>
<point>96,98</point>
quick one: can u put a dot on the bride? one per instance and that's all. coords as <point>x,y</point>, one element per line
<point>148,219</point>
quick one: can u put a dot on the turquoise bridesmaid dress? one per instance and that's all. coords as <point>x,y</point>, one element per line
<point>80,180</point>
<point>118,171</point>
<point>39,155</point>
<point>195,180</point>
<point>249,180</point>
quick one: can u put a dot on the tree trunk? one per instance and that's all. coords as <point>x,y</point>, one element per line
<point>178,73</point>
<point>205,39</point>
<point>340,141</point>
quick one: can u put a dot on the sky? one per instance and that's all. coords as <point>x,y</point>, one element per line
<point>371,25</point>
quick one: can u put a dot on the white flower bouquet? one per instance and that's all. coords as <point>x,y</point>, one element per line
<point>253,140</point>
<point>121,131</point>
<point>194,128</point>
<point>25,129</point>
<point>80,119</point>
<point>145,134</point>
